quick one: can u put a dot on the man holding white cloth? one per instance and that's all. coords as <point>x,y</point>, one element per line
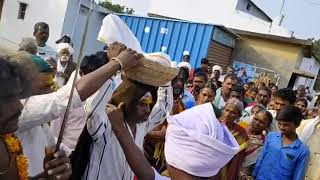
<point>194,149</point>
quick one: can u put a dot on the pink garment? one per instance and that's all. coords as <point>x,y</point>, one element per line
<point>74,126</point>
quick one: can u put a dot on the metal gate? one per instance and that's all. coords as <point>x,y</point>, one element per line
<point>219,54</point>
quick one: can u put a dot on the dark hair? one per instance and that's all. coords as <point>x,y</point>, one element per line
<point>181,75</point>
<point>91,63</point>
<point>268,114</point>
<point>230,67</point>
<point>286,94</point>
<point>40,24</point>
<point>232,77</point>
<point>204,61</point>
<point>201,75</point>
<point>302,100</point>
<point>103,55</point>
<point>239,89</point>
<point>251,84</point>
<point>265,89</point>
<point>290,114</point>
<point>185,73</point>
<point>10,80</point>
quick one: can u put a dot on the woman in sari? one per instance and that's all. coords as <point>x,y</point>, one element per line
<point>231,113</point>
<point>256,132</point>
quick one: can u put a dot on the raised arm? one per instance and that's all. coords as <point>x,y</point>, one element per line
<point>90,83</point>
<point>135,158</point>
<point>162,108</point>
<point>45,108</point>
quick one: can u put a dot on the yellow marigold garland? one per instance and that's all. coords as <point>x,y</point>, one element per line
<point>15,149</point>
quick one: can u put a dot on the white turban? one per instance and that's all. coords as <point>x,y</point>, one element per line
<point>197,143</point>
<point>62,46</point>
<point>186,65</point>
<point>216,68</point>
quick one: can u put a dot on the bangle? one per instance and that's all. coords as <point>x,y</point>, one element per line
<point>118,61</point>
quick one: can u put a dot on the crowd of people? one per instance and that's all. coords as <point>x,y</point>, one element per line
<point>198,123</point>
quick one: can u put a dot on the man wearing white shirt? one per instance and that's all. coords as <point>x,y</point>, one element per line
<point>98,154</point>
<point>40,109</point>
<point>41,33</point>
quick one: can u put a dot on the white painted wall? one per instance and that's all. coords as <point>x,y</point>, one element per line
<point>13,29</point>
<point>221,12</point>
<point>312,66</point>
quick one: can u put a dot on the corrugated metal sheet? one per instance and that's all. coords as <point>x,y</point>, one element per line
<point>219,54</point>
<point>173,36</point>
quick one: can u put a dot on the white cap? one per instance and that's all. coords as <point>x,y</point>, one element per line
<point>62,46</point>
<point>215,68</point>
<point>186,53</point>
<point>185,64</point>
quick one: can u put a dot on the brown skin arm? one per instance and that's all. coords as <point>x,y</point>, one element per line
<point>135,158</point>
<point>159,133</point>
<point>90,83</point>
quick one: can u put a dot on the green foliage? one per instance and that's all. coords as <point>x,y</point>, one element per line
<point>117,8</point>
<point>316,49</point>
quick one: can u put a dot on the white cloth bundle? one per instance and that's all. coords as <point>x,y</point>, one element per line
<point>197,143</point>
<point>113,29</point>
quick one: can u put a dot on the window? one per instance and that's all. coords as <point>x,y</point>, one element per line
<point>249,6</point>
<point>22,10</point>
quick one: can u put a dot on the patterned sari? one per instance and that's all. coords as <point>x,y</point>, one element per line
<point>231,171</point>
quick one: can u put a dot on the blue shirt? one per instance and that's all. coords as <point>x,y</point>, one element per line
<point>281,163</point>
<point>188,100</point>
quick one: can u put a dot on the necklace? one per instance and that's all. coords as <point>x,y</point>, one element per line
<point>14,148</point>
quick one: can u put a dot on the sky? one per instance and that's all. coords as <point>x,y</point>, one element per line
<point>300,16</point>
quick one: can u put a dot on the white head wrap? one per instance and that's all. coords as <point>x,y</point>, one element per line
<point>185,64</point>
<point>216,68</point>
<point>62,46</point>
<point>202,147</point>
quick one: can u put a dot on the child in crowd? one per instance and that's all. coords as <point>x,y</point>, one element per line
<point>284,156</point>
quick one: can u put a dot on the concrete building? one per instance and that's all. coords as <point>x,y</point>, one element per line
<point>311,65</point>
<point>17,19</point>
<point>249,7</point>
<point>236,14</point>
<point>286,56</point>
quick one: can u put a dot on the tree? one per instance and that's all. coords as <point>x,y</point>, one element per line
<point>117,8</point>
<point>316,49</point>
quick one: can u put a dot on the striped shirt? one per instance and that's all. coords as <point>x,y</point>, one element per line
<point>107,160</point>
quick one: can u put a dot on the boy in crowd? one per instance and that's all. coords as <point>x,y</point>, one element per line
<point>283,97</point>
<point>284,156</point>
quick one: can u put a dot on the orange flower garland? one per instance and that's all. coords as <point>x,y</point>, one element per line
<point>15,149</point>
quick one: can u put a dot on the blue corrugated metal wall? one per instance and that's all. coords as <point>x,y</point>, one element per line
<point>175,36</point>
